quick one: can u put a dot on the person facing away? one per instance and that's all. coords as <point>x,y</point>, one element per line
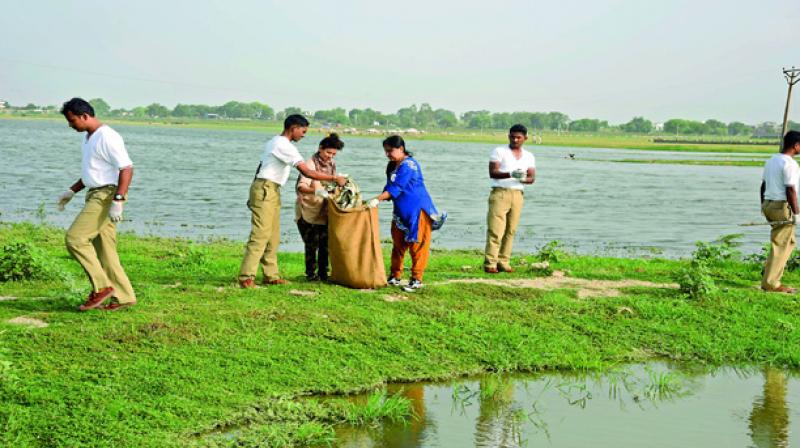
<point>310,210</point>
<point>414,215</point>
<point>106,170</point>
<point>279,156</point>
<point>510,169</point>
<point>779,185</point>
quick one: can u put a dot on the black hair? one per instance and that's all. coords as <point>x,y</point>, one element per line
<point>790,139</point>
<point>395,141</point>
<point>331,141</point>
<point>518,128</point>
<point>295,120</point>
<point>78,106</point>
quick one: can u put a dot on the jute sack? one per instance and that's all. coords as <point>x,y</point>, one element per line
<point>354,247</point>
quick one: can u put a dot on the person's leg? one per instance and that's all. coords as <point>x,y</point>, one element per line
<point>106,246</point>
<point>399,248</point>
<point>495,226</point>
<point>85,228</point>
<point>515,202</point>
<point>420,251</point>
<point>269,262</point>
<point>309,241</point>
<point>260,231</point>
<point>322,257</point>
<point>782,240</point>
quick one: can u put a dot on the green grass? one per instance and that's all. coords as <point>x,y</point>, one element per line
<point>201,362</point>
<point>616,140</point>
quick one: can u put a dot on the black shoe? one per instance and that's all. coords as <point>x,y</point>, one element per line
<point>312,278</point>
<point>413,285</point>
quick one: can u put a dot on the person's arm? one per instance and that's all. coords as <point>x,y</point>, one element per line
<point>77,186</point>
<point>762,190</point>
<point>791,198</point>
<point>125,176</point>
<point>394,187</point>
<point>495,173</point>
<point>531,176</point>
<point>317,175</point>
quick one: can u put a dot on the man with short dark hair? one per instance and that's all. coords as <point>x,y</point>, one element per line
<point>106,170</point>
<point>510,168</point>
<point>264,202</point>
<point>779,185</point>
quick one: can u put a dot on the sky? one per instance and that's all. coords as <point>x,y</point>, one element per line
<point>611,60</point>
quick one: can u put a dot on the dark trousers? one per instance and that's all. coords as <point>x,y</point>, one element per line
<point>315,238</point>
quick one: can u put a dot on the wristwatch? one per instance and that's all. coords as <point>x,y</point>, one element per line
<point>120,197</point>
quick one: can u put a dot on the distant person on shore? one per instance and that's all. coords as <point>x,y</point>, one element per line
<point>511,167</point>
<point>779,186</point>
<point>414,215</point>
<point>279,156</point>
<point>106,170</point>
<point>310,208</point>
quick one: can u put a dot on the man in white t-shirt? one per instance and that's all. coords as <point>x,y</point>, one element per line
<point>779,186</point>
<point>106,170</point>
<point>279,156</point>
<point>510,169</point>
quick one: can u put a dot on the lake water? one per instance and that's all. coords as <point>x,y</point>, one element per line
<point>655,406</point>
<point>194,183</point>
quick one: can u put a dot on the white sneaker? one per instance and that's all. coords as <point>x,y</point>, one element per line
<point>393,281</point>
<point>413,285</point>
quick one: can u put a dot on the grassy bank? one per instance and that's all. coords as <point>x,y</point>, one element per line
<point>548,138</point>
<point>201,362</point>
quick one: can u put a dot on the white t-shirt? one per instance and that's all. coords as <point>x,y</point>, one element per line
<point>780,171</point>
<point>509,163</point>
<point>280,155</point>
<point>104,155</point>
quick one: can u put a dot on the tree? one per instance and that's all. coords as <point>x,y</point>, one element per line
<point>477,119</point>
<point>407,116</point>
<point>156,110</point>
<point>425,117</point>
<point>101,108</point>
<point>739,128</point>
<point>715,127</point>
<point>336,116</point>
<point>639,125</point>
<point>558,120</point>
<point>587,125</point>
<point>445,118</point>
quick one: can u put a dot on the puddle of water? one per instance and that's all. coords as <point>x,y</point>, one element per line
<point>652,405</point>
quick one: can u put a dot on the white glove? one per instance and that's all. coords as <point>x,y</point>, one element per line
<point>519,174</point>
<point>115,212</point>
<point>795,219</point>
<point>342,174</point>
<point>321,193</point>
<point>64,199</point>
<point>372,203</point>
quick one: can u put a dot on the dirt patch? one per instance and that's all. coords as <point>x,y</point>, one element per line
<point>394,298</point>
<point>28,322</point>
<point>586,288</point>
<point>298,292</point>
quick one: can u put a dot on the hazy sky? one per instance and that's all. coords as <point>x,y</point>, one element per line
<point>610,59</point>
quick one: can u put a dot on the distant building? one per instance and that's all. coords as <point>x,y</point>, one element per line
<point>658,127</point>
<point>3,104</point>
<point>212,116</point>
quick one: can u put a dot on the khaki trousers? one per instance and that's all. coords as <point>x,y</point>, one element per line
<point>265,234</point>
<point>92,240</point>
<point>420,251</point>
<point>782,241</point>
<point>505,207</point>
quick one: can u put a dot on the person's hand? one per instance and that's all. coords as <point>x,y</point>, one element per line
<point>64,199</point>
<point>321,193</point>
<point>519,174</point>
<point>372,203</point>
<point>795,219</point>
<point>341,180</point>
<point>115,212</point>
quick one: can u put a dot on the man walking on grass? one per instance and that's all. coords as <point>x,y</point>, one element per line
<point>106,170</point>
<point>510,168</point>
<point>779,186</point>
<point>279,156</point>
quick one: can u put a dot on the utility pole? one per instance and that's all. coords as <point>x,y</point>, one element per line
<point>792,76</point>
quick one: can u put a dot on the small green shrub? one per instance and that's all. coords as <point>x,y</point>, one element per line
<point>21,260</point>
<point>191,258</point>
<point>551,252</point>
<point>723,249</point>
<point>696,280</point>
<point>761,257</point>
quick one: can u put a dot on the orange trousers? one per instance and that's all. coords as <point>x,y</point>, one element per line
<point>420,251</point>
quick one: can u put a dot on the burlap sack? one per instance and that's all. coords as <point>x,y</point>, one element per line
<point>354,247</point>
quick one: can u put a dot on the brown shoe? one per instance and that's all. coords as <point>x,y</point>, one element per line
<point>96,299</point>
<point>116,306</point>
<point>277,281</point>
<point>247,284</point>
<point>490,270</point>
<point>507,269</point>
<point>782,289</point>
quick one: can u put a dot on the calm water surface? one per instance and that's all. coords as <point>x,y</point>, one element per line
<point>653,406</point>
<point>194,183</point>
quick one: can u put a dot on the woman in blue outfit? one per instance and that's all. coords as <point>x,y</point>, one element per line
<point>414,215</point>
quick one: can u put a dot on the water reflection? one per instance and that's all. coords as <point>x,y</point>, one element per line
<point>654,406</point>
<point>769,420</point>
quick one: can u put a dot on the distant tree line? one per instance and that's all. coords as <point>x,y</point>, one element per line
<point>426,117</point>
